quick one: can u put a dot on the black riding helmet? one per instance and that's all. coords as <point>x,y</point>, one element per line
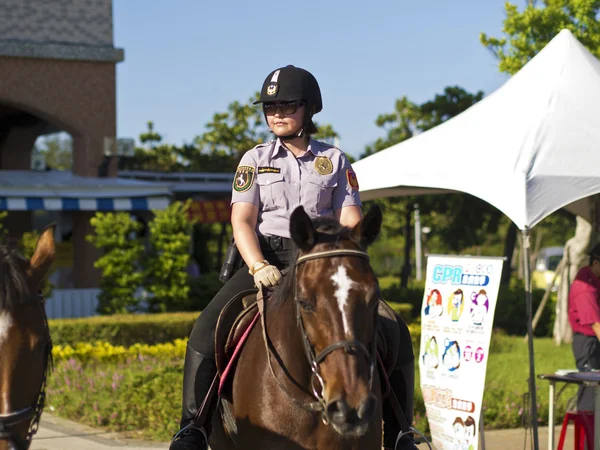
<point>291,83</point>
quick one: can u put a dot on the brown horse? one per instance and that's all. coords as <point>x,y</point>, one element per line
<point>316,387</point>
<point>25,345</point>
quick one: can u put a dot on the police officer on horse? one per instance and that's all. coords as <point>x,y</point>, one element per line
<point>272,179</point>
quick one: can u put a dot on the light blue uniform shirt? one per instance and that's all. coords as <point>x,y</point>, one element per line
<point>272,178</point>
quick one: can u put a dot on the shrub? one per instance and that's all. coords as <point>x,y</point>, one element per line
<point>106,353</point>
<point>121,274</point>
<point>130,329</point>
<point>27,247</point>
<point>125,329</point>
<point>510,310</point>
<point>411,295</point>
<point>143,394</point>
<point>203,289</point>
<point>170,237</point>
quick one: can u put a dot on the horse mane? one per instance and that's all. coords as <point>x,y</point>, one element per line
<point>329,230</point>
<point>13,278</point>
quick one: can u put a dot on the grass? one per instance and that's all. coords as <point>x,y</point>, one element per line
<point>507,375</point>
<point>142,396</point>
<point>505,403</point>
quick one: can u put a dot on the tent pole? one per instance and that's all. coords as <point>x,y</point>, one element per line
<point>529,305</point>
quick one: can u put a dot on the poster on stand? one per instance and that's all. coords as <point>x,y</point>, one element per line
<point>456,326</point>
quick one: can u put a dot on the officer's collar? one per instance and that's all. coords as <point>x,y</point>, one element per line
<point>313,146</point>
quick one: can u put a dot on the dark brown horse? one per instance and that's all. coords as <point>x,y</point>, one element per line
<point>25,345</point>
<point>317,386</point>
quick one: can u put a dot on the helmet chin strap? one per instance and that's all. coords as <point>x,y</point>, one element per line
<point>289,137</point>
<point>300,133</point>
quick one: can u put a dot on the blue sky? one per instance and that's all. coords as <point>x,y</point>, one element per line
<point>187,59</point>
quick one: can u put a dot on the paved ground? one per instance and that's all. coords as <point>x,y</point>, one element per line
<point>60,434</point>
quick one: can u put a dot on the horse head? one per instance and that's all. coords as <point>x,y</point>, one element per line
<point>337,296</point>
<point>25,345</point>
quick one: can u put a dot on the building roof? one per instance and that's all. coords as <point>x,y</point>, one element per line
<point>59,190</point>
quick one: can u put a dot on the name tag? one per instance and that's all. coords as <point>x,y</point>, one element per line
<point>269,170</point>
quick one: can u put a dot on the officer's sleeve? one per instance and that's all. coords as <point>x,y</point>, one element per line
<point>244,188</point>
<point>346,191</point>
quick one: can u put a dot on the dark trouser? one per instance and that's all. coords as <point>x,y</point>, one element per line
<point>200,367</point>
<point>586,350</point>
<point>202,338</point>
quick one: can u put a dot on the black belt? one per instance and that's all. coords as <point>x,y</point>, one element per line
<point>275,243</point>
<point>585,335</point>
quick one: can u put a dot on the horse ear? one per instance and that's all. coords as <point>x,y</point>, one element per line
<point>43,256</point>
<point>302,230</point>
<point>366,231</point>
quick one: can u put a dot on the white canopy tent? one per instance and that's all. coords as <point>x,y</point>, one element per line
<point>529,149</point>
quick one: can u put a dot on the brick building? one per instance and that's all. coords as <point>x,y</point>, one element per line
<point>58,73</point>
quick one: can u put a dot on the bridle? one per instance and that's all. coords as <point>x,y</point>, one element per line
<point>349,346</point>
<point>33,412</point>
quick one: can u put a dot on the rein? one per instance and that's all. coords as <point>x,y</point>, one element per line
<point>33,411</point>
<point>350,346</point>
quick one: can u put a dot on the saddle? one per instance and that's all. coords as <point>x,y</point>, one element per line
<point>239,316</point>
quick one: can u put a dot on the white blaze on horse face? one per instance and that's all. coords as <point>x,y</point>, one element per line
<point>5,324</point>
<point>344,283</point>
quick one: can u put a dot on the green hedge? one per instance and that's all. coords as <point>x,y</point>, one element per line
<point>126,329</point>
<point>129,329</point>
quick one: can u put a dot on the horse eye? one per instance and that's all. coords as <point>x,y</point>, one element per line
<point>306,306</point>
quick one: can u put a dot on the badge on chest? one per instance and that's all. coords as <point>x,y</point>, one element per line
<point>323,165</point>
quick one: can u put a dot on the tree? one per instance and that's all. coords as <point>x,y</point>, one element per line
<point>234,131</point>
<point>57,151</point>
<point>325,132</point>
<point>170,237</point>
<point>401,124</point>
<point>527,32</point>
<point>150,136</point>
<point>218,149</point>
<point>460,220</point>
<point>156,156</point>
<point>116,235</point>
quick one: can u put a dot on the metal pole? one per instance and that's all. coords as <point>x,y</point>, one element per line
<point>481,434</point>
<point>597,417</point>
<point>551,415</point>
<point>418,255</point>
<point>406,269</point>
<point>528,304</point>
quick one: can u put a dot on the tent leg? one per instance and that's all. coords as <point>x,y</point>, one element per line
<point>529,305</point>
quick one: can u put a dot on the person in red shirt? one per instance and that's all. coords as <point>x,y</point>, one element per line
<point>584,317</point>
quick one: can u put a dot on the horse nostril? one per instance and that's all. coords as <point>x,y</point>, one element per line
<point>337,411</point>
<point>367,408</point>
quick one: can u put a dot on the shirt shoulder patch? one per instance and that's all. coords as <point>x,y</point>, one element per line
<point>352,180</point>
<point>244,178</point>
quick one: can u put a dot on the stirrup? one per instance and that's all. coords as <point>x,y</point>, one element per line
<point>412,430</point>
<point>189,427</point>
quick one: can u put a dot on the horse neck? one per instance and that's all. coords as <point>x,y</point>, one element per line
<point>285,334</point>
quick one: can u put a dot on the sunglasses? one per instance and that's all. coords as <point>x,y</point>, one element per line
<point>285,107</point>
